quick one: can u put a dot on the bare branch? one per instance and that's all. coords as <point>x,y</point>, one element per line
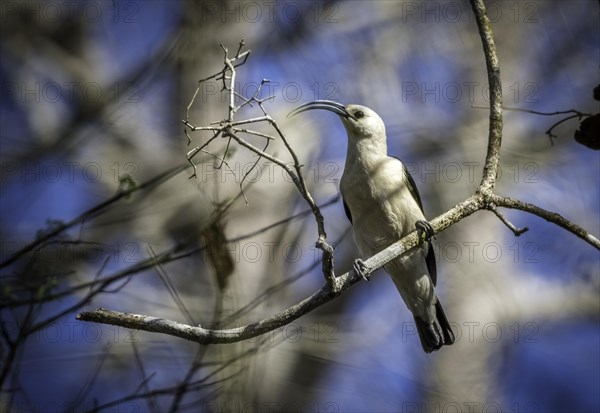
<point>549,216</point>
<point>323,295</point>
<point>510,225</point>
<point>572,112</point>
<point>490,169</point>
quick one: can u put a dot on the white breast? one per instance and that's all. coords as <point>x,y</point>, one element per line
<point>382,207</point>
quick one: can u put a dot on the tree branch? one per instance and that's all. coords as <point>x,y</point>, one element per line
<point>517,231</point>
<point>490,169</point>
<point>323,295</point>
<point>549,216</point>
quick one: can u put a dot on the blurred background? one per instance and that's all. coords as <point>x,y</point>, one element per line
<point>94,182</point>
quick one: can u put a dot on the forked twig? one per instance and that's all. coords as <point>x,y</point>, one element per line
<point>233,129</point>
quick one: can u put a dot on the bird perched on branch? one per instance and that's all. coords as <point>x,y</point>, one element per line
<point>382,203</point>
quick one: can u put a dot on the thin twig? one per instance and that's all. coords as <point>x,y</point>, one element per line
<point>228,128</point>
<point>575,114</point>
<point>93,212</point>
<point>509,225</point>
<point>549,216</point>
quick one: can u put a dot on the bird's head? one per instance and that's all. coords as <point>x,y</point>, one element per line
<point>360,121</point>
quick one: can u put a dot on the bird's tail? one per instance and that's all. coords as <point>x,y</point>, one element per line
<point>434,336</point>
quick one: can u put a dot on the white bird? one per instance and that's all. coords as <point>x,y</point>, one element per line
<point>382,203</point>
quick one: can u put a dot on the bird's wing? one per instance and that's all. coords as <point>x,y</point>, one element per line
<point>412,187</point>
<point>347,210</point>
<point>431,266</point>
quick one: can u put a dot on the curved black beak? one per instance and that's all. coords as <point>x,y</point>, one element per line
<point>329,105</point>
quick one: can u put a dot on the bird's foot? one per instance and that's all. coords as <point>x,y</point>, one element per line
<point>424,229</point>
<point>361,269</point>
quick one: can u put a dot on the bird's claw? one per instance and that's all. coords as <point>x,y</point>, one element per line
<point>361,269</point>
<point>424,229</point>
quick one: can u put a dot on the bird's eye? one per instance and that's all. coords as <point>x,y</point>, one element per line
<point>359,114</point>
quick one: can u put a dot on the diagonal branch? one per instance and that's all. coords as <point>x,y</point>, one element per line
<point>323,295</point>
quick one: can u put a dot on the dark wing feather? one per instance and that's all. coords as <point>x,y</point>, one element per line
<point>431,266</point>
<point>412,187</point>
<point>347,210</point>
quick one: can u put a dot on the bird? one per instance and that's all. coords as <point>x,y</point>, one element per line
<point>383,205</point>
